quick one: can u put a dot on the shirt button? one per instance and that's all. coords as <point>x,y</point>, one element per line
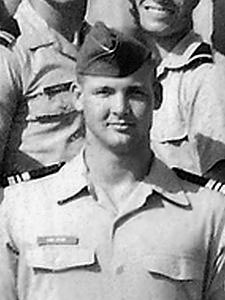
<point>120,270</point>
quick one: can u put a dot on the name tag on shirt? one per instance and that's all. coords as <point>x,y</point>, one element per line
<point>57,240</point>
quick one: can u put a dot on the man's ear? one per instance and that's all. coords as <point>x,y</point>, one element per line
<point>158,92</point>
<point>77,91</point>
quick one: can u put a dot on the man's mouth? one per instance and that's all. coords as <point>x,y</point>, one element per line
<point>154,6</point>
<point>121,125</point>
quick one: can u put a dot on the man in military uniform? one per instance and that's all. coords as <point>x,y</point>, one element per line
<point>188,130</point>
<point>115,222</point>
<point>39,123</point>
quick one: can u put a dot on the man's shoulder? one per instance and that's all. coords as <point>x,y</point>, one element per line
<point>188,54</point>
<point>203,193</point>
<point>34,30</point>
<point>46,187</point>
<point>182,187</point>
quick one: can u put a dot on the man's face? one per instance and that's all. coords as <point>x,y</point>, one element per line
<point>165,17</point>
<point>118,111</point>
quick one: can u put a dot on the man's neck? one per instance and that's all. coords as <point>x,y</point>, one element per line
<point>110,169</point>
<point>56,19</point>
<point>164,44</point>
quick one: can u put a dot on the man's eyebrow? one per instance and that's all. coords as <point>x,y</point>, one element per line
<point>102,87</point>
<point>137,88</point>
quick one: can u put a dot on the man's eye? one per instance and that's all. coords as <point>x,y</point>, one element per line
<point>139,94</point>
<point>103,92</point>
<point>137,91</point>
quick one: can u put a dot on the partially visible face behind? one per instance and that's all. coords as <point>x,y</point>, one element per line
<point>118,111</point>
<point>165,17</point>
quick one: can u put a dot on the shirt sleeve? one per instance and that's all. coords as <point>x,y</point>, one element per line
<point>10,90</point>
<point>206,96</point>
<point>8,257</point>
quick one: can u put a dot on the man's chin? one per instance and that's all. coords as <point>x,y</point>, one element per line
<point>123,148</point>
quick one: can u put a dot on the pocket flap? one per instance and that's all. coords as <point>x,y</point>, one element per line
<point>175,267</point>
<point>60,257</point>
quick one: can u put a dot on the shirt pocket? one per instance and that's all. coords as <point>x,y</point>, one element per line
<point>51,103</point>
<point>174,267</point>
<point>57,258</point>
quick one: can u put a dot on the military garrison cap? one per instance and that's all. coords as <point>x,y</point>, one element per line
<point>109,53</point>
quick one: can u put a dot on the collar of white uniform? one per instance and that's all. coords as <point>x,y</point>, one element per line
<point>183,53</point>
<point>72,179</point>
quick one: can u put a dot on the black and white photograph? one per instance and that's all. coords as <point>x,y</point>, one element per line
<point>112,149</point>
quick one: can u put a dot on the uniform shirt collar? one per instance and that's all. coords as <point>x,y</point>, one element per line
<point>39,34</point>
<point>165,182</point>
<point>70,180</point>
<point>180,55</point>
<point>74,179</point>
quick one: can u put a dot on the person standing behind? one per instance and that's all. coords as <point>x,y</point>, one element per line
<point>39,124</point>
<point>188,130</point>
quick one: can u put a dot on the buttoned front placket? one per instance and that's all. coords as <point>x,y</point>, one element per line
<point>119,238</point>
<point>110,257</point>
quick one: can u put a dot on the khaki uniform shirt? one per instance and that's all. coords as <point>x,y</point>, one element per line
<point>188,129</point>
<point>62,239</point>
<point>39,124</point>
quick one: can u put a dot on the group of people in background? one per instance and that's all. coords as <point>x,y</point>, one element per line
<point>39,123</point>
<point>104,98</point>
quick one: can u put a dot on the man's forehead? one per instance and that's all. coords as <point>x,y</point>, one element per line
<point>133,80</point>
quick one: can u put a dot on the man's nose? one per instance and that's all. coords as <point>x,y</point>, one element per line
<point>120,104</point>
